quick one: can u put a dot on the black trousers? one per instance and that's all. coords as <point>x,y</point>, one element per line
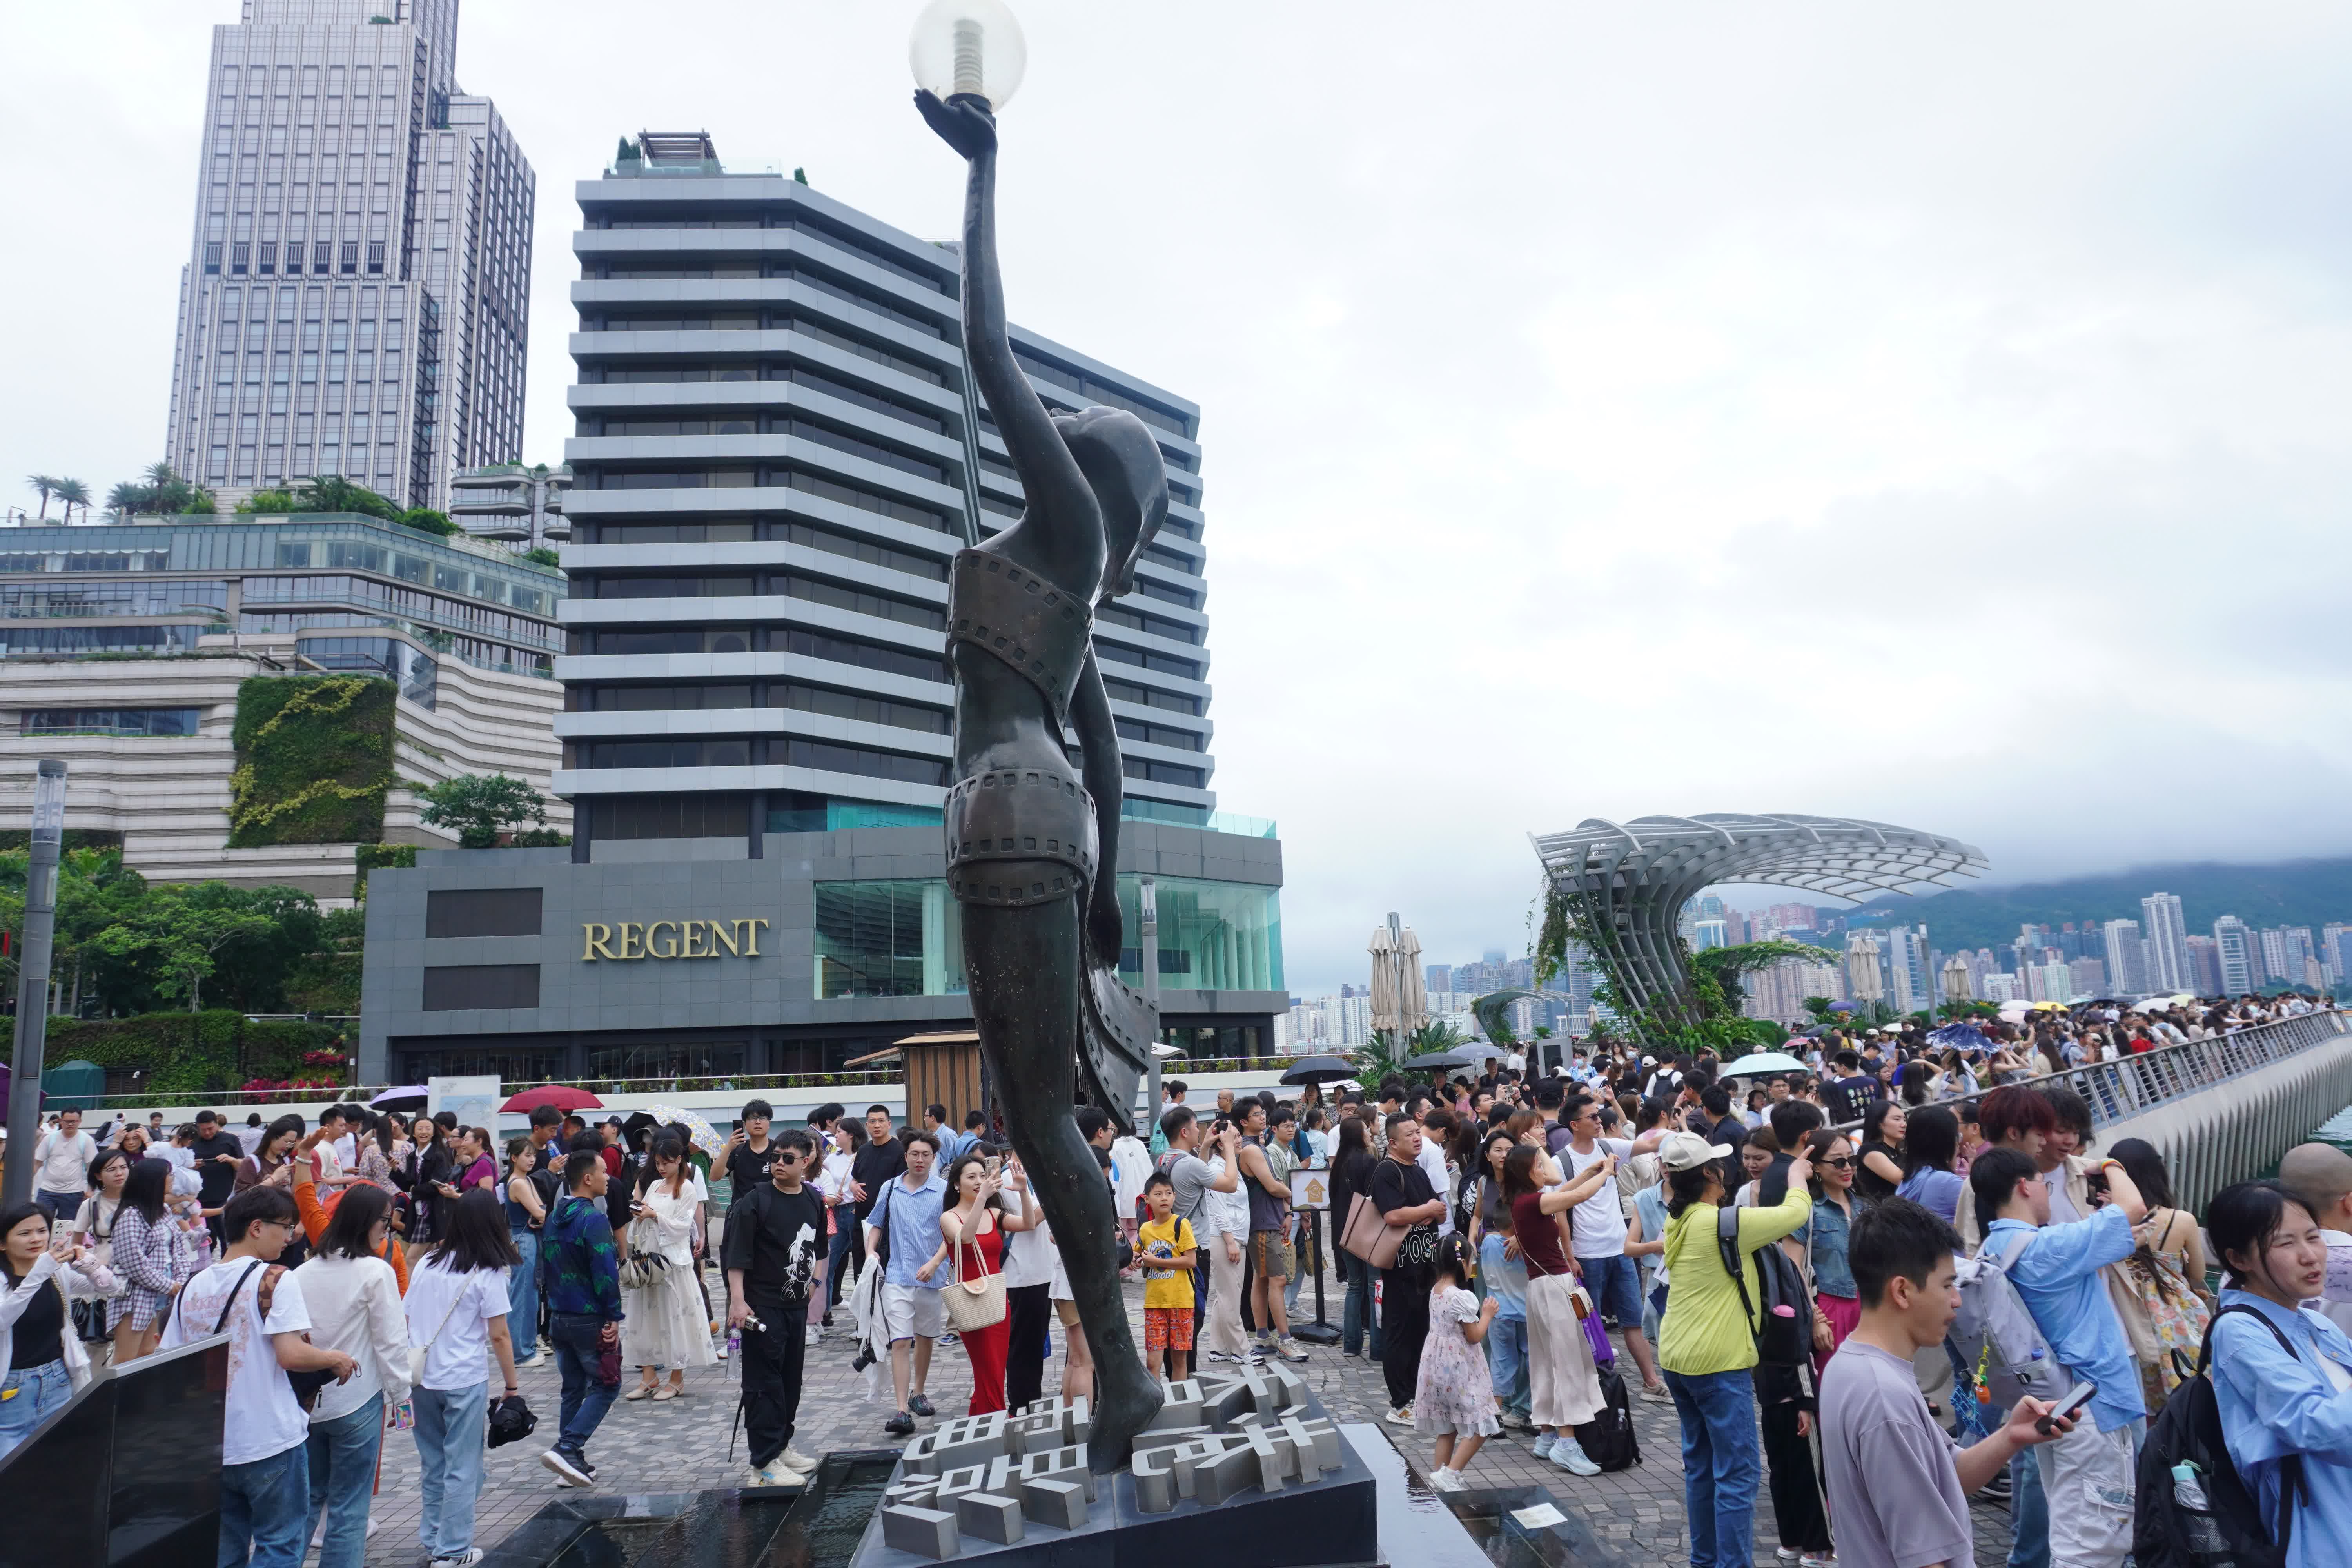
<point>1797,1509</point>
<point>1028,1311</point>
<point>1404,1324</point>
<point>771,1363</point>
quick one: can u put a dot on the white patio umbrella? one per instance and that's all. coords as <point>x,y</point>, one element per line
<point>1412,995</point>
<point>1384,1007</point>
<point>1400,1002</point>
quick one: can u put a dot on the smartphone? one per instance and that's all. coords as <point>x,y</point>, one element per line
<point>2071,1406</point>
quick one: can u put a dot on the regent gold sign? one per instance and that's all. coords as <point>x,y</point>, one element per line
<point>670,939</point>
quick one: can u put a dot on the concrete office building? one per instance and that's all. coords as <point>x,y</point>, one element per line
<point>356,298</point>
<point>2240,954</point>
<point>778,457</point>
<point>2168,943</point>
<point>464,629</point>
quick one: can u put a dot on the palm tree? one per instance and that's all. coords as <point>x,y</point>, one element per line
<point>74,493</point>
<point>47,487</point>
<point>129,499</point>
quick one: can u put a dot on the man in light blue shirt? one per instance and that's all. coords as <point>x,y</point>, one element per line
<point>907,1212</point>
<point>2087,1475</point>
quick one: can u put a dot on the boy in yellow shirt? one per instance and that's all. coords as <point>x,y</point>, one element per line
<point>1167,1252</point>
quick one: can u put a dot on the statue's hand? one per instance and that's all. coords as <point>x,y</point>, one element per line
<point>965,126</point>
<point>1105,929</point>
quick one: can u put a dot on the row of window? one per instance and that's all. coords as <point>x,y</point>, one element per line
<point>1161,735</point>
<point>323,258</point>
<point>180,722</point>
<point>758,694</point>
<point>606,640</point>
<point>486,585</point>
<point>768,584</point>
<point>780,530</point>
<point>855,245</point>
<point>726,752</point>
<point>593,478</point>
<point>750,422</point>
<point>1158,625</point>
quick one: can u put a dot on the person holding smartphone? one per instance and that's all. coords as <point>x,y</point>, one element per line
<point>1899,1486</point>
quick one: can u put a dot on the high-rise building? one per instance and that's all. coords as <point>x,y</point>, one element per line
<point>2239,955</point>
<point>2335,953</point>
<point>2168,942</point>
<point>2289,955</point>
<point>1706,934</point>
<point>2204,966</point>
<point>2087,975</point>
<point>777,459</point>
<point>356,300</point>
<point>2126,963</point>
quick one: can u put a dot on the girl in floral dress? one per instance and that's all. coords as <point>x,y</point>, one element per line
<point>1455,1400</point>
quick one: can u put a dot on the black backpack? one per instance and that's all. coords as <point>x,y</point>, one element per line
<point>1608,1439</point>
<point>2189,1430</point>
<point>1783,1337</point>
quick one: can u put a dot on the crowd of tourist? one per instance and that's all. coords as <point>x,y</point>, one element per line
<point>1779,1256</point>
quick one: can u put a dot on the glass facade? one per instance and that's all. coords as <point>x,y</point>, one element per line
<point>897,938</point>
<point>1214,936</point>
<point>903,938</point>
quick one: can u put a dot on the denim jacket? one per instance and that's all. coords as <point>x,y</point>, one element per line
<point>1825,1239</point>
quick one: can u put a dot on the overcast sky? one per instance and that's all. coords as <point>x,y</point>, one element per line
<point>1936,417</point>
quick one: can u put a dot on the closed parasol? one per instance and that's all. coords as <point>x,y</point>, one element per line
<point>1400,1003</point>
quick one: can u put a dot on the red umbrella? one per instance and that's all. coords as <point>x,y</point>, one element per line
<point>560,1096</point>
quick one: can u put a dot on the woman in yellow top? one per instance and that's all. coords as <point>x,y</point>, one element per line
<point>1708,1343</point>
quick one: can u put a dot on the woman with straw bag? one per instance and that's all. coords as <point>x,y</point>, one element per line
<point>974,1228</point>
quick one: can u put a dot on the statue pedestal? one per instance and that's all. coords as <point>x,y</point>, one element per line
<point>1245,1470</point>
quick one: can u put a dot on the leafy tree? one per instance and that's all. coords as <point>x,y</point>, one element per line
<point>266,502</point>
<point>627,154</point>
<point>477,807</point>
<point>178,934</point>
<point>47,486</point>
<point>74,493</point>
<point>159,492</point>
<point>542,556</point>
<point>425,519</point>
<point>332,492</point>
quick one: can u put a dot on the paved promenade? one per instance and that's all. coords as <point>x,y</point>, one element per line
<point>681,1444</point>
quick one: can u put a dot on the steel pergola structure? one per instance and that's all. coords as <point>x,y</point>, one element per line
<point>1635,877</point>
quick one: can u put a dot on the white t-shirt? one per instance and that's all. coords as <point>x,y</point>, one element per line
<point>65,1162</point>
<point>1433,1164</point>
<point>459,1356</point>
<point>262,1418</point>
<point>2062,1204</point>
<point>1596,1225</point>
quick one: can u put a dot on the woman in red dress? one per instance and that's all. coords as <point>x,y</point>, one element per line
<point>973,1228</point>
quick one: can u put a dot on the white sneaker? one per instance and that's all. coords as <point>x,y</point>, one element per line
<point>466,1559</point>
<point>812,1337</point>
<point>1446,1478</point>
<point>541,1359</point>
<point>1287,1349</point>
<point>1568,1455</point>
<point>799,1460</point>
<point>1401,1416</point>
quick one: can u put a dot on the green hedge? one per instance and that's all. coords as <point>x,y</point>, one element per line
<point>187,1056</point>
<point>313,759</point>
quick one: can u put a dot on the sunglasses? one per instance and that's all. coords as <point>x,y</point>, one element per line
<point>1843,1162</point>
<point>787,1157</point>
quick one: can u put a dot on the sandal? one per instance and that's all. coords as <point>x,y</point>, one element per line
<point>668,1391</point>
<point>639,1392</point>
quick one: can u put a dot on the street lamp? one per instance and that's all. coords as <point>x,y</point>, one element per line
<point>33,979</point>
<point>968,49</point>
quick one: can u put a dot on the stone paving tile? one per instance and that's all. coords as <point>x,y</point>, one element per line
<point>682,1445</point>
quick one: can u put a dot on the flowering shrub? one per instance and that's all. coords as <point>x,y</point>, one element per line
<point>322,1058</point>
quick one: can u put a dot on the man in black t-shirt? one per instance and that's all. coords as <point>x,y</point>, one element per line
<point>881,1161</point>
<point>217,1151</point>
<point>773,1245</point>
<point>1400,1189</point>
<point>748,1150</point>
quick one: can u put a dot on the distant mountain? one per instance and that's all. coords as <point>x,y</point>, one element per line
<point>2289,893</point>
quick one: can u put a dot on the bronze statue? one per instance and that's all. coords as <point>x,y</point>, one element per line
<point>1032,844</point>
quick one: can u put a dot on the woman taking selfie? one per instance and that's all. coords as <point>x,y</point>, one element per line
<point>45,1362</point>
<point>973,1228</point>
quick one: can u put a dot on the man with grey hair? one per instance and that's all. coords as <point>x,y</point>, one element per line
<point>2321,1175</point>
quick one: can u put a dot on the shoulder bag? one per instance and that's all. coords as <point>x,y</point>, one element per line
<point>973,1304</point>
<point>416,1354</point>
<point>306,1385</point>
<point>643,1264</point>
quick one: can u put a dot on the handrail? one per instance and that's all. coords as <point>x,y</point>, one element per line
<point>2124,1087</point>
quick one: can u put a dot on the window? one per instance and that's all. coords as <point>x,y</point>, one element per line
<point>865,710</point>
<point>375,255</point>
<point>660,699</point>
<point>827,757</point>
<point>722,639</point>
<point>212,256</point>
<point>668,532</point>
<point>1159,735</point>
<point>887,939</point>
<point>727,752</point>
<point>1149,697</point>
<point>665,1061</point>
<point>269,258</point>
<point>350,255</point>
<point>238,254</point>
<point>675,587</point>
<point>482,912</point>
<point>669,815</point>
<point>1164,773</point>
<point>451,987</point>
<point>1214,936</point>
<point>864,656</point>
<point>108,720</point>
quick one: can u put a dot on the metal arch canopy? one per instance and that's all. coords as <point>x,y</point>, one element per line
<point>1638,875</point>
